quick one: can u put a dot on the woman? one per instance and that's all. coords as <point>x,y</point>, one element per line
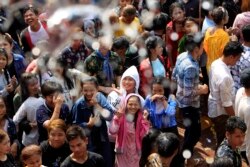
<point>153,65</point>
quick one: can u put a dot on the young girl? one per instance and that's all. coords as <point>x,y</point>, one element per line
<point>130,125</point>
<point>6,160</point>
<point>27,111</point>
<point>161,107</point>
<point>32,156</point>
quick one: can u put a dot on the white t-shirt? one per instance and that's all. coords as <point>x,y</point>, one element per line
<point>242,110</point>
<point>41,34</point>
<point>221,87</point>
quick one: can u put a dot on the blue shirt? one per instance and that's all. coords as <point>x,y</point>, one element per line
<point>158,68</point>
<point>186,73</point>
<point>163,119</point>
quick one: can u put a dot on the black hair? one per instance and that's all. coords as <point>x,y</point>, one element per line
<point>164,82</point>
<point>233,48</point>
<point>90,79</point>
<point>151,43</point>
<point>218,14</point>
<point>25,78</point>
<point>167,144</point>
<point>160,21</point>
<point>189,19</point>
<point>120,43</point>
<point>235,122</point>
<point>245,78</point>
<point>31,8</point>
<point>148,144</point>
<point>222,162</point>
<point>51,87</point>
<point>74,132</point>
<point>175,5</point>
<point>246,33</point>
<point>193,41</point>
<point>63,64</point>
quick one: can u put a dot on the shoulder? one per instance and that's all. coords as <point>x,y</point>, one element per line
<point>66,162</point>
<point>92,155</point>
<point>224,151</point>
<point>24,32</point>
<point>44,145</point>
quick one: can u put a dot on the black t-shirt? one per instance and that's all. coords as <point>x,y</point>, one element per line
<point>10,162</point>
<point>52,157</point>
<point>12,70</point>
<point>94,160</point>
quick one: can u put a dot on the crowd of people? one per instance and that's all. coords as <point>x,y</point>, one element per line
<point>103,89</point>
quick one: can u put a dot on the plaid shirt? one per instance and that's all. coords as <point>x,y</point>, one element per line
<point>241,64</point>
<point>187,76</point>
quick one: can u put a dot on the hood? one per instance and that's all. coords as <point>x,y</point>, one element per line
<point>246,16</point>
<point>137,95</point>
<point>131,72</point>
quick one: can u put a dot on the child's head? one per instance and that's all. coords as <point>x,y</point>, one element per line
<point>29,85</point>
<point>4,142</point>
<point>235,131</point>
<point>134,103</point>
<point>32,156</point>
<point>77,140</point>
<point>2,108</point>
<point>246,33</point>
<point>161,86</point>
<point>245,78</point>
<point>190,25</point>
<point>220,15</point>
<point>89,87</point>
<point>177,12</point>
<point>6,43</point>
<point>128,14</point>
<point>3,58</point>
<point>57,133</point>
<point>50,90</point>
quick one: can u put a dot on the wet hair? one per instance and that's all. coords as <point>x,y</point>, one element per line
<point>222,162</point>
<point>91,80</point>
<point>193,41</point>
<point>245,78</point>
<point>31,8</point>
<point>74,132</point>
<point>3,135</point>
<point>167,144</point>
<point>175,5</point>
<point>57,124</point>
<point>30,151</point>
<point>51,87</point>
<point>164,82</point>
<point>24,81</point>
<point>233,48</point>
<point>148,144</point>
<point>246,33</point>
<point>218,14</point>
<point>6,37</point>
<point>235,122</point>
<point>120,43</point>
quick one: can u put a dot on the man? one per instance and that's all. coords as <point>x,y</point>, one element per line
<point>244,61</point>
<point>242,108</point>
<point>188,91</point>
<point>36,31</point>
<point>78,145</point>
<point>235,134</point>
<point>221,97</point>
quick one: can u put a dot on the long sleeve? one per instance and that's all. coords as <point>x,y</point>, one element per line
<point>114,125</point>
<point>20,114</point>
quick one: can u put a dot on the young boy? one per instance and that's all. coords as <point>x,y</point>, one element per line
<point>78,145</point>
<point>52,109</point>
<point>235,135</point>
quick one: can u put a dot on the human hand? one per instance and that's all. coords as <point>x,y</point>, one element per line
<point>9,88</point>
<point>13,81</point>
<point>92,120</point>
<point>13,149</point>
<point>203,89</point>
<point>145,114</point>
<point>58,100</point>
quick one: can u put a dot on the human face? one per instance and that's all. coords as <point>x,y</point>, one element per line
<point>34,161</point>
<point>30,18</point>
<point>6,45</point>
<point>157,89</point>
<point>234,59</point>
<point>128,84</point>
<point>3,61</point>
<point>57,138</point>
<point>158,50</point>
<point>88,90</point>
<point>124,3</point>
<point>133,105</point>
<point>5,145</point>
<point>33,87</point>
<point>236,138</point>
<point>190,27</point>
<point>178,15</point>
<point>2,109</point>
<point>50,99</point>
<point>128,18</point>
<point>76,43</point>
<point>78,146</point>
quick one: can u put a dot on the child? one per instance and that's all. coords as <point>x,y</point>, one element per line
<point>130,125</point>
<point>53,108</point>
<point>32,156</point>
<point>162,107</point>
<point>6,159</point>
<point>235,135</point>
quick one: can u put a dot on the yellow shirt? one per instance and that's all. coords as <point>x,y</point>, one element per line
<point>214,44</point>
